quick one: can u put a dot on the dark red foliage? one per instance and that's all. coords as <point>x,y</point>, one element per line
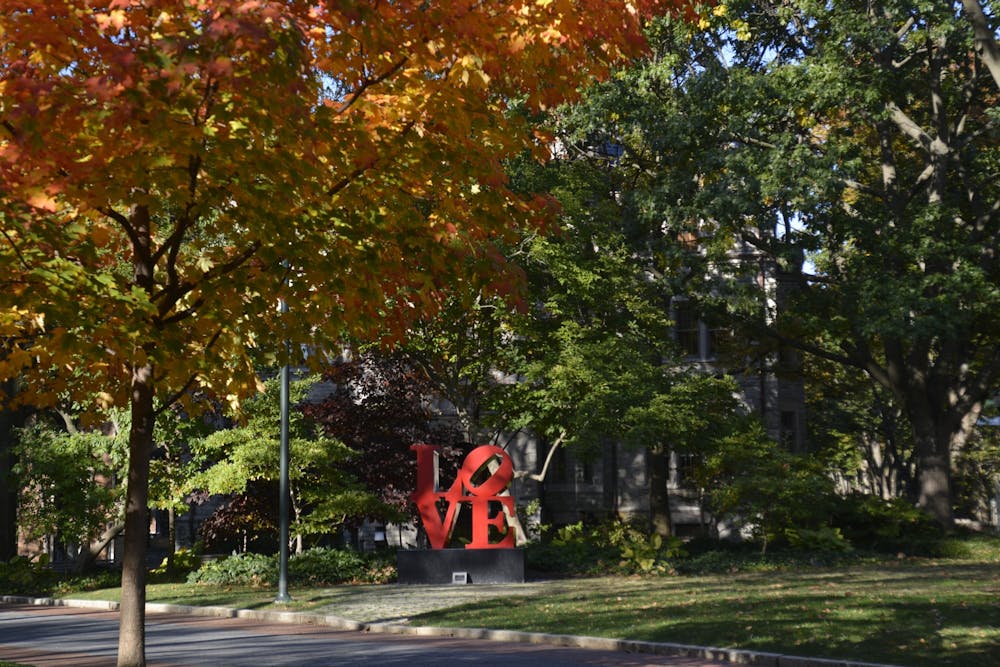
<point>247,522</point>
<point>380,407</point>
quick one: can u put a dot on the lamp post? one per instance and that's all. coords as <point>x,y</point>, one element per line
<point>283,595</point>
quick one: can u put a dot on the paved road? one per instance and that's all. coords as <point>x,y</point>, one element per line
<point>63,636</point>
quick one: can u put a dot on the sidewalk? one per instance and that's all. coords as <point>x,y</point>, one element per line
<point>386,609</point>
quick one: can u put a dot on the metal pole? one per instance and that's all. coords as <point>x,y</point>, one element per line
<point>283,595</point>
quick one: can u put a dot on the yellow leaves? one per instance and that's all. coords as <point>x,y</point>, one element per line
<point>850,196</point>
<point>707,19</point>
<point>16,320</point>
<point>116,19</point>
<point>469,65</point>
<point>553,35</point>
<point>162,20</point>
<point>204,263</point>
<point>742,30</point>
<point>133,116</point>
<point>105,401</point>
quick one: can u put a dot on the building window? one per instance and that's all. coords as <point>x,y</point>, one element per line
<point>693,336</point>
<point>685,465</point>
<point>789,430</point>
<point>687,328</point>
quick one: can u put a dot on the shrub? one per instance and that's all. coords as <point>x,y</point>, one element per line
<point>322,565</point>
<point>755,483</point>
<point>614,547</point>
<point>313,567</point>
<point>870,522</point>
<point>185,562</point>
<point>242,569</point>
<point>93,581</point>
<point>823,539</point>
<point>22,576</point>
<point>642,552</point>
<point>572,550</point>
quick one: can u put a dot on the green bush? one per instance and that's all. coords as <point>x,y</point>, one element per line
<point>185,562</point>
<point>93,581</point>
<point>322,565</point>
<point>823,539</point>
<point>757,484</point>
<point>642,552</point>
<point>869,522</point>
<point>247,569</point>
<point>313,567</point>
<point>22,576</point>
<point>614,547</point>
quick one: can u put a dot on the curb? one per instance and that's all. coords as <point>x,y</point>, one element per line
<point>727,655</point>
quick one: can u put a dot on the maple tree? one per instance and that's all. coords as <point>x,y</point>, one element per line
<point>168,168</point>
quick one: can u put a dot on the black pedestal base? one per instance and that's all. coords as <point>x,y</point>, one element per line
<point>460,566</point>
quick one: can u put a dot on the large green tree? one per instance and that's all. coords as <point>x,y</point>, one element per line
<point>847,151</point>
<point>345,156</point>
<point>586,356</point>
<point>66,482</point>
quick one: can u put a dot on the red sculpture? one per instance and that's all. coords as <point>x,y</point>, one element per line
<point>438,509</point>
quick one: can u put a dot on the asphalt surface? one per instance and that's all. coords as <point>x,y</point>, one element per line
<point>360,625</point>
<point>65,636</point>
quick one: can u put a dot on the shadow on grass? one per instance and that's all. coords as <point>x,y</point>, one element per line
<point>920,617</point>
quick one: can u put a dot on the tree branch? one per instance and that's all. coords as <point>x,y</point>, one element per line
<point>540,477</point>
<point>67,421</point>
<point>369,82</point>
<point>123,222</point>
<point>986,45</point>
<point>17,251</point>
<point>173,293</point>
<point>347,180</point>
<point>908,127</point>
<point>175,396</point>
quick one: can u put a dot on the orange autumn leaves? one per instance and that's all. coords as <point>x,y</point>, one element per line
<point>200,144</point>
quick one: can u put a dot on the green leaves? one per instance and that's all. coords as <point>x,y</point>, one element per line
<point>66,483</point>
<point>323,495</point>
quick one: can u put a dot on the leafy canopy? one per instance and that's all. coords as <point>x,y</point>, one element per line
<point>161,161</point>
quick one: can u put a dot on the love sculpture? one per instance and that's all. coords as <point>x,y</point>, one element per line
<point>485,474</point>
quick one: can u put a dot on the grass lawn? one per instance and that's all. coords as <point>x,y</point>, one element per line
<point>216,595</point>
<point>915,614</point>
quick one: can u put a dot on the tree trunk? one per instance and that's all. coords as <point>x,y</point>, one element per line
<point>132,622</point>
<point>935,487</point>
<point>933,458</point>
<point>936,436</point>
<point>172,536</point>
<point>659,494</point>
<point>9,420</point>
